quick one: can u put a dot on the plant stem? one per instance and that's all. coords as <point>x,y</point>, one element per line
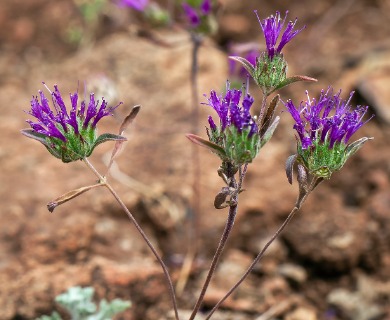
<point>297,206</point>
<point>225,235</point>
<point>196,40</point>
<point>103,181</point>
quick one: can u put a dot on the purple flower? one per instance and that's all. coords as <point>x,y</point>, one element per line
<point>138,5</point>
<point>194,14</point>
<point>58,122</point>
<point>330,120</point>
<point>230,112</point>
<point>272,27</point>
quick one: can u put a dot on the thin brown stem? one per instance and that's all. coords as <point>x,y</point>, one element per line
<point>196,40</point>
<point>315,182</point>
<point>225,235</point>
<point>103,181</point>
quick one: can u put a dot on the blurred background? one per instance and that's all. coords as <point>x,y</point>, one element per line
<point>332,262</point>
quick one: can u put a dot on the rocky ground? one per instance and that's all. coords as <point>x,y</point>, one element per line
<point>332,262</point>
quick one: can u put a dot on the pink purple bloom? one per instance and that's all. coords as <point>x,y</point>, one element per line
<point>68,134</point>
<point>230,112</point>
<point>272,27</point>
<point>58,122</point>
<point>138,5</point>
<point>330,120</point>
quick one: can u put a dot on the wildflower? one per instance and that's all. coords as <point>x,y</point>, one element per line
<point>138,5</point>
<point>324,128</point>
<point>272,27</point>
<point>270,69</point>
<point>68,135</point>
<point>196,13</point>
<point>236,132</point>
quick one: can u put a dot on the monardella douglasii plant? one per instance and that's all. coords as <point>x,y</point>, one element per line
<point>324,127</point>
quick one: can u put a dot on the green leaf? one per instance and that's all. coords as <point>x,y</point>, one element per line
<point>355,146</point>
<point>246,64</point>
<point>30,133</point>
<point>270,131</point>
<point>291,80</point>
<point>106,137</point>
<point>207,144</point>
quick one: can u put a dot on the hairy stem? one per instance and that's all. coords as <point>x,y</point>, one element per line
<point>103,181</point>
<point>225,235</point>
<point>297,206</point>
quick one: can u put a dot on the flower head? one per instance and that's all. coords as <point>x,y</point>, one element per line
<point>324,128</point>
<point>236,132</point>
<point>272,27</point>
<point>231,113</point>
<point>138,5</point>
<point>68,134</point>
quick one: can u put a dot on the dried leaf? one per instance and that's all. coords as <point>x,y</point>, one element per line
<point>69,196</point>
<point>129,119</point>
<point>269,115</point>
<point>290,167</point>
<point>270,131</point>
<point>123,127</point>
<point>207,144</point>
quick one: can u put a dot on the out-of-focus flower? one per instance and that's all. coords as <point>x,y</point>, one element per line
<point>324,128</point>
<point>272,27</point>
<point>68,135</point>
<point>250,52</point>
<point>138,5</point>
<point>196,13</point>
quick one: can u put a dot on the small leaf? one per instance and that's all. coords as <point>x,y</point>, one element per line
<point>207,144</point>
<point>30,133</point>
<point>246,64</point>
<point>302,178</point>
<point>69,196</point>
<point>129,119</point>
<point>106,137</point>
<point>269,115</point>
<point>270,131</point>
<point>125,124</point>
<point>355,146</point>
<point>290,167</point>
<point>291,80</point>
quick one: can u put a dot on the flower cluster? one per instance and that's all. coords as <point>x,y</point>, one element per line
<point>272,27</point>
<point>237,131</point>
<point>324,127</point>
<point>231,113</point>
<point>67,135</point>
<point>196,11</point>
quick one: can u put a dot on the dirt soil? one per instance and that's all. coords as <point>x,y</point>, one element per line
<point>333,260</point>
